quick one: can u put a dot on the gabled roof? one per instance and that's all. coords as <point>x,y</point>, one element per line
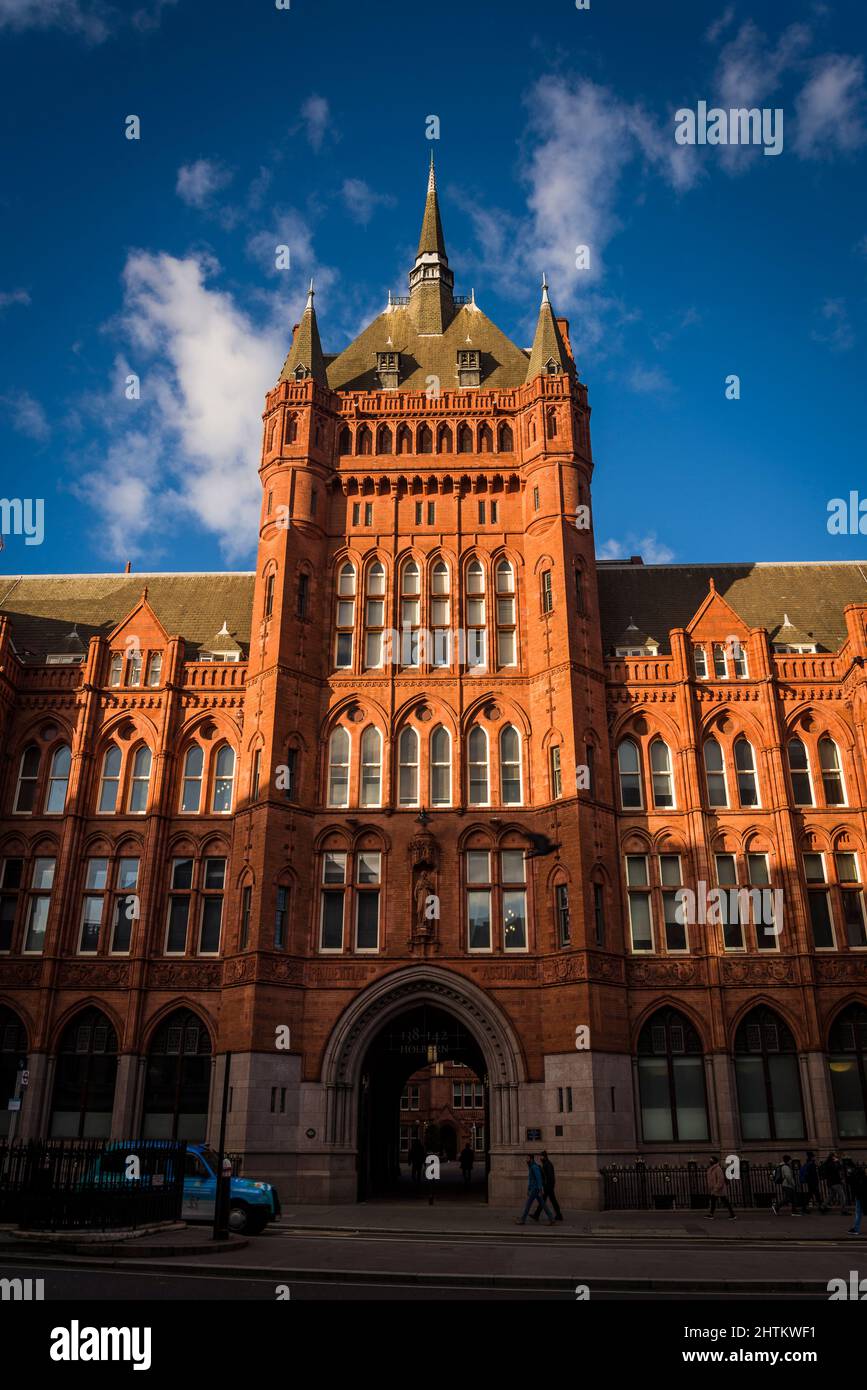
<point>548,347</point>
<point>305,355</point>
<point>43,607</point>
<point>662,597</point>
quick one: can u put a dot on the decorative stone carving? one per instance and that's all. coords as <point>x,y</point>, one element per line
<point>94,974</point>
<point>288,972</point>
<point>757,972</point>
<point>26,973</point>
<point>830,968</point>
<point>185,974</point>
<point>661,972</point>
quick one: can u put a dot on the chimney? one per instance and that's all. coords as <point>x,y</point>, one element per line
<point>128,569</point>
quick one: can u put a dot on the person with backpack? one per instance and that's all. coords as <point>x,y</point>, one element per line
<point>717,1186</point>
<point>784,1178</point>
<point>535,1192</point>
<point>834,1175</point>
<point>809,1176</point>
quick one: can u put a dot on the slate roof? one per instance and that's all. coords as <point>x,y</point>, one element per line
<point>662,597</point>
<point>43,608</point>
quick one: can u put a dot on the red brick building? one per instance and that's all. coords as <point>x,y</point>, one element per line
<point>432,776</point>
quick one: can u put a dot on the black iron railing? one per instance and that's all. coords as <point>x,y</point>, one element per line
<point>60,1184</point>
<point>646,1186</point>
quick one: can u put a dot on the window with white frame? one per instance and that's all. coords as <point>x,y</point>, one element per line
<point>629,768</point>
<point>513,887</point>
<point>213,883</point>
<point>345,634</point>
<point>139,782</point>
<point>671,880</point>
<point>720,662</point>
<point>333,900</point>
<point>28,779</point>
<point>660,768</point>
<point>58,780</point>
<point>479,896</point>
<point>561,907</point>
<point>440,767</point>
<point>109,784</point>
<point>224,780</point>
<point>848,869</point>
<point>738,658</point>
<point>371,767</point>
<point>832,772</point>
<point>475,615</point>
<point>155,670</point>
<point>547,591</point>
<point>762,901</point>
<point>477,762</point>
<point>191,787</point>
<point>368,871</point>
<point>638,894</point>
<point>440,618</point>
<point>38,905</point>
<point>699,658</point>
<point>338,768</point>
<point>745,770</point>
<point>715,774</point>
<point>507,650</point>
<point>374,615</point>
<point>410,613</point>
<point>819,900</point>
<point>510,766</point>
<point>407,757</point>
<point>556,773</point>
<point>799,773</point>
<point>727,879</point>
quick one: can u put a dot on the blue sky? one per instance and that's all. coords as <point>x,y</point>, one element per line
<point>307,127</point>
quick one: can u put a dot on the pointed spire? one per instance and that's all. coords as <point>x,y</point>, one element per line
<point>432,239</point>
<point>548,353</point>
<point>305,355</point>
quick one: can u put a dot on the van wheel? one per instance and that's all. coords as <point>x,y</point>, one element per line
<point>239,1218</point>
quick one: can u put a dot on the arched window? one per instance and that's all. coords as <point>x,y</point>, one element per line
<point>338,768</point>
<point>440,767</point>
<point>465,439</point>
<point>444,440</point>
<point>660,769</point>
<point>510,766</point>
<point>715,774</point>
<point>799,772</point>
<point>832,773</point>
<point>191,792</point>
<point>13,1045</point>
<point>410,612</point>
<point>110,781</point>
<point>345,616</point>
<point>407,793</point>
<point>224,780</point>
<point>178,1080</point>
<point>551,423</point>
<point>424,440</point>
<point>505,440</point>
<point>371,767</point>
<point>404,440</point>
<point>363,440</point>
<point>291,431</point>
<point>477,654</point>
<point>374,614</point>
<point>140,781</point>
<point>28,776</point>
<point>507,652</point>
<point>58,779</point>
<point>629,768</point>
<point>486,439</point>
<point>84,1078</point>
<point>344,441</point>
<point>439,614</point>
<point>769,1086</point>
<point>847,1063</point>
<point>671,1080</point>
<point>383,440</point>
<point>745,766</point>
<point>477,748</point>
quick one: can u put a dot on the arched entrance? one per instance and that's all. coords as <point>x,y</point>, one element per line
<point>384,1037</point>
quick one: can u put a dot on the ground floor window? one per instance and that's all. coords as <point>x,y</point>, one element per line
<point>768,1080</point>
<point>847,1062</point>
<point>84,1079</point>
<point>178,1079</point>
<point>671,1080</point>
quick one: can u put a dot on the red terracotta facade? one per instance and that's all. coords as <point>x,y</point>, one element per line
<point>280,963</point>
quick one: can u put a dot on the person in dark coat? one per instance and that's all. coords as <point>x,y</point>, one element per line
<point>857,1178</point>
<point>809,1176</point>
<point>549,1178</point>
<point>468,1158</point>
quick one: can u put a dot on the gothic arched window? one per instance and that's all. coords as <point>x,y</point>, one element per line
<point>847,1064</point>
<point>671,1080</point>
<point>768,1081</point>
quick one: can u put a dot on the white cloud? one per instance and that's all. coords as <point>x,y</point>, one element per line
<point>837,333</point>
<point>361,201</point>
<point>649,381</point>
<point>92,20</point>
<point>191,449</point>
<point>198,182</point>
<point>25,415</point>
<point>651,550</point>
<point>721,24</point>
<point>830,108</point>
<point>8,297</point>
<point>316,115</point>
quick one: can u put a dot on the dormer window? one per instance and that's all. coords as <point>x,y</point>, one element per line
<point>469,367</point>
<point>301,373</point>
<point>552,368</point>
<point>388,370</point>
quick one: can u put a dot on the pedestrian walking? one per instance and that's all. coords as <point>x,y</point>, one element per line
<point>535,1192</point>
<point>809,1176</point>
<point>717,1186</point>
<point>468,1158</point>
<point>416,1160</point>
<point>858,1187</point>
<point>549,1179</point>
<point>834,1174</point>
<point>784,1177</point>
